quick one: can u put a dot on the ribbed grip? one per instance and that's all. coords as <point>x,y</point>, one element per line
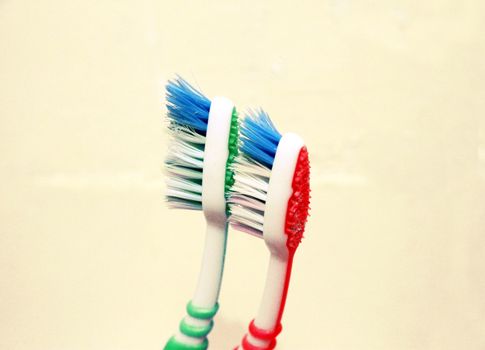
<point>194,331</point>
<point>263,335</point>
<point>174,344</point>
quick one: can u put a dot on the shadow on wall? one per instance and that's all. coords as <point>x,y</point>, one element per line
<point>227,333</point>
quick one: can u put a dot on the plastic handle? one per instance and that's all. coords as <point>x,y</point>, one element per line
<point>197,324</point>
<point>264,329</point>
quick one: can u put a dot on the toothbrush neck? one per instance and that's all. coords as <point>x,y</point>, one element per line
<point>291,254</point>
<point>215,218</point>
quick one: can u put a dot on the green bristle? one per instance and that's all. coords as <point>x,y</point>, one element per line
<point>233,152</point>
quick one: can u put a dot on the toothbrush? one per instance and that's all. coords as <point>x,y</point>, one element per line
<point>270,199</point>
<point>199,174</point>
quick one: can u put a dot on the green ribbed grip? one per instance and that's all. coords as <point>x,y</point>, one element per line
<point>200,312</point>
<point>174,344</point>
<point>194,331</point>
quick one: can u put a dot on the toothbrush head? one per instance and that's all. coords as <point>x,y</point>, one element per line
<point>270,199</point>
<point>202,132</point>
<point>270,196</point>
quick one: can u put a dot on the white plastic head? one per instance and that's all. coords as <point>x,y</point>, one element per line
<point>215,159</point>
<point>279,192</point>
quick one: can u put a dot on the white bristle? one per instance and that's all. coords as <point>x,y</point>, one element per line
<point>183,166</point>
<point>248,195</point>
<point>173,170</point>
<point>250,185</point>
<point>185,154</point>
<point>185,134</point>
<point>184,185</point>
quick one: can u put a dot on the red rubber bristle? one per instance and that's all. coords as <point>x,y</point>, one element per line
<point>299,202</point>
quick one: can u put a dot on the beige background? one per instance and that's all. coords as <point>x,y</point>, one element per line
<point>390,97</point>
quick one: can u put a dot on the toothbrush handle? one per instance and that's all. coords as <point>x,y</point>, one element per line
<point>264,329</point>
<point>197,324</point>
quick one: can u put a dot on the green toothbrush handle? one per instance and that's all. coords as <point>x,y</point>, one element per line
<point>196,326</point>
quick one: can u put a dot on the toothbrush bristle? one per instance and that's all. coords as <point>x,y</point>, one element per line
<point>233,152</point>
<point>252,170</point>
<point>187,106</point>
<point>259,138</point>
<point>187,114</point>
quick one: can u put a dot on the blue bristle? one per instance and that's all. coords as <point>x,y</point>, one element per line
<point>186,105</point>
<point>259,138</point>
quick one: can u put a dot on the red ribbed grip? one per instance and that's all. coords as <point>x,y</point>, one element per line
<point>263,334</point>
<point>246,345</point>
